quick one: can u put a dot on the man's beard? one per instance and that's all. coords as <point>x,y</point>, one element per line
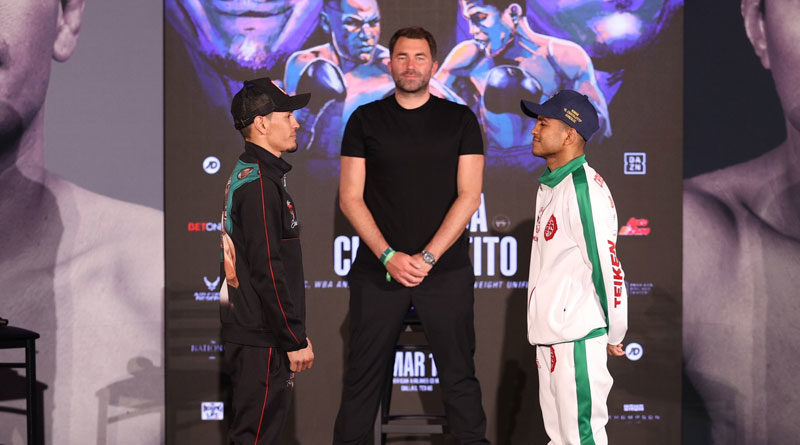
<point>240,65</point>
<point>412,85</point>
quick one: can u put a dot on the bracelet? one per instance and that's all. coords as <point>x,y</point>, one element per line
<point>387,255</point>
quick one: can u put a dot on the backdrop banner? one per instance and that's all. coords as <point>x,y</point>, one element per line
<point>627,57</point>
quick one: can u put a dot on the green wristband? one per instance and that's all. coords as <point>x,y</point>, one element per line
<point>387,255</point>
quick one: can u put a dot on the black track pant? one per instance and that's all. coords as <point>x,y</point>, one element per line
<point>444,303</point>
<point>259,404</point>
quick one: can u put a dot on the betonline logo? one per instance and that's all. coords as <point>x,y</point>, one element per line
<point>210,226</point>
<point>635,163</point>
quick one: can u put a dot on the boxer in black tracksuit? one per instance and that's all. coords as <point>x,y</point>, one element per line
<point>262,299</point>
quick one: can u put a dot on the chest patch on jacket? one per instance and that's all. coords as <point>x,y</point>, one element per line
<point>290,206</point>
<point>551,228</point>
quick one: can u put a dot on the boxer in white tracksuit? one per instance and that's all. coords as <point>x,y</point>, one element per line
<point>577,302</point>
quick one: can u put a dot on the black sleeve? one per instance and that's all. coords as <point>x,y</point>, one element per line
<point>262,220</point>
<point>353,139</point>
<point>471,135</point>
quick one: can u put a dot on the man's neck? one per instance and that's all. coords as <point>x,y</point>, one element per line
<point>26,203</point>
<point>410,101</point>
<point>347,64</point>
<point>25,153</point>
<point>562,158</point>
<point>264,146</point>
<point>527,42</point>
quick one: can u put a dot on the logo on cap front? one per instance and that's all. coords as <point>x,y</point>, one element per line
<point>572,115</point>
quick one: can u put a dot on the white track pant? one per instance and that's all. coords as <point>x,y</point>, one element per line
<point>574,383</point>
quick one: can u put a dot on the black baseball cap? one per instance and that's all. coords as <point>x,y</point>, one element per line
<point>571,107</point>
<point>260,97</point>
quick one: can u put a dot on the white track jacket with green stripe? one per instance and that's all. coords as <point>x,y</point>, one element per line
<point>576,287</point>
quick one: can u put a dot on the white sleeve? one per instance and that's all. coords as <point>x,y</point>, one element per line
<point>597,216</point>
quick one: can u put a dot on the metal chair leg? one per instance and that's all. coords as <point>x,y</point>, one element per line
<point>30,380</point>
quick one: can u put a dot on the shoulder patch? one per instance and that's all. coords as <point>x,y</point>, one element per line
<point>243,173</point>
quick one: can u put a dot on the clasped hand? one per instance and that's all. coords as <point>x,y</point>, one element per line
<point>408,270</point>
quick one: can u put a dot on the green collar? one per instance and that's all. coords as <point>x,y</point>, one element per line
<point>552,178</point>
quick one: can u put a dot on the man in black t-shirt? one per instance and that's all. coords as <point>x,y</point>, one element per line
<point>411,177</point>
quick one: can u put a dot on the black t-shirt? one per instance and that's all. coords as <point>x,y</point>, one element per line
<point>412,163</point>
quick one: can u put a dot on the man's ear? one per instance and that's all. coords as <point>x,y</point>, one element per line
<point>325,22</point>
<point>261,124</point>
<point>754,26</point>
<point>573,137</point>
<point>513,12</point>
<point>68,26</point>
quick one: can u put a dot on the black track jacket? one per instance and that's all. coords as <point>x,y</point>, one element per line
<point>262,299</point>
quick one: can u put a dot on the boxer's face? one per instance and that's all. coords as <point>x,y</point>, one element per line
<point>28,31</point>
<point>249,35</point>
<point>282,130</point>
<point>355,27</point>
<point>782,27</point>
<point>488,25</point>
<point>548,136</point>
<point>604,28</point>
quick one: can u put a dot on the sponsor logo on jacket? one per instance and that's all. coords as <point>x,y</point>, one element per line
<point>599,179</point>
<point>551,228</point>
<point>616,269</point>
<point>290,206</point>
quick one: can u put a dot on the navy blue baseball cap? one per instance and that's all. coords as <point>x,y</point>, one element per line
<point>570,107</point>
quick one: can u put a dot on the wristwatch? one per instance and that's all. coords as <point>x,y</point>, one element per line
<point>428,257</point>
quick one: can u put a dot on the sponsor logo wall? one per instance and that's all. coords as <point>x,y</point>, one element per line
<point>203,74</point>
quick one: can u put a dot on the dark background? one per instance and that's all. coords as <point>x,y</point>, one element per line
<point>728,94</point>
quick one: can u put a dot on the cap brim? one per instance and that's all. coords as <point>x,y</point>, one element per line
<point>295,102</point>
<point>532,109</point>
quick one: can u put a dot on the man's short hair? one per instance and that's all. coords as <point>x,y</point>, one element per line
<point>247,132</point>
<point>413,32</point>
